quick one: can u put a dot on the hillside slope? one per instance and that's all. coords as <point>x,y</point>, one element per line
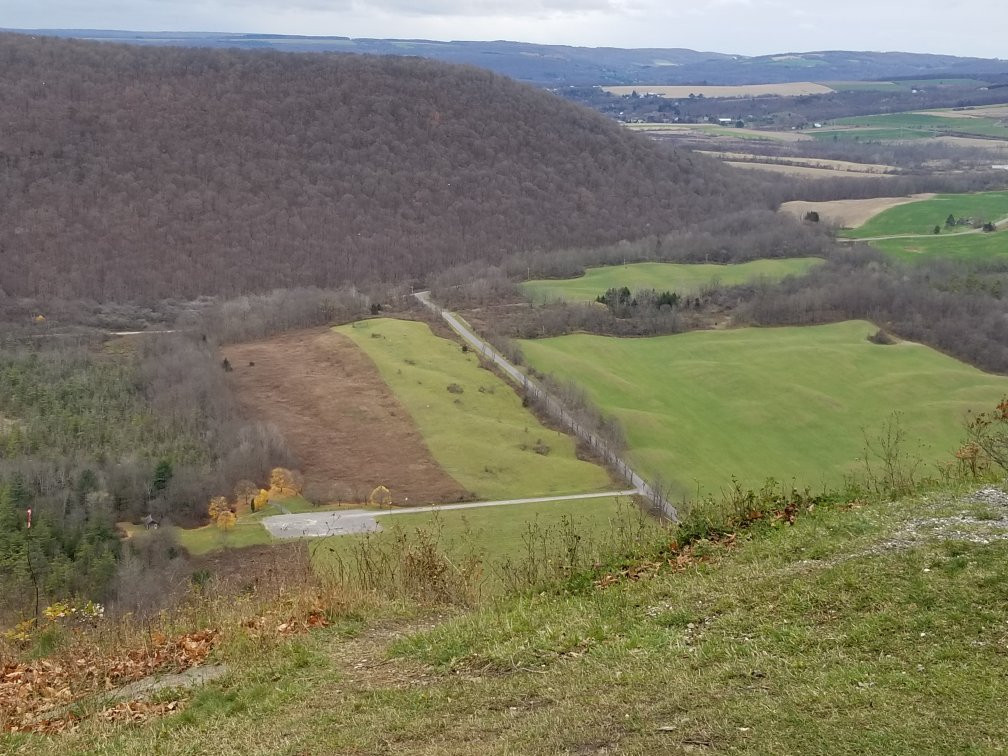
<point>851,627</point>
<point>138,173</point>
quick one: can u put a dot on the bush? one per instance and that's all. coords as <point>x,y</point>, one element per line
<point>454,388</point>
<point>881,336</point>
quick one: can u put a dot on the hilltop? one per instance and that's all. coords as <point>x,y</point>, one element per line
<point>134,173</point>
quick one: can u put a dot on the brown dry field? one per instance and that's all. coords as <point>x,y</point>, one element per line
<point>994,146</point>
<point>716,134</point>
<point>849,213</point>
<point>804,162</point>
<point>801,170</point>
<point>345,427</point>
<point>743,90</point>
<point>981,111</point>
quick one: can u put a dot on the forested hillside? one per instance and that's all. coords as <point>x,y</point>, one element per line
<point>134,173</point>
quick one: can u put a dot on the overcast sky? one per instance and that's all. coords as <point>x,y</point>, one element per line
<point>750,27</point>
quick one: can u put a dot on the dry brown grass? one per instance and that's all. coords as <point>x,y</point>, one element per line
<point>800,170</point>
<point>849,213</point>
<point>983,111</point>
<point>744,90</point>
<point>834,165</point>
<point>346,428</point>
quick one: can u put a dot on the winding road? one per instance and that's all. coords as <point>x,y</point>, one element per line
<point>663,506</point>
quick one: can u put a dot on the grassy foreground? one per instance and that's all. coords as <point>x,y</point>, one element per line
<point>682,278</point>
<point>497,536</point>
<point>921,217</point>
<point>864,628</point>
<point>795,403</point>
<point>478,430</point>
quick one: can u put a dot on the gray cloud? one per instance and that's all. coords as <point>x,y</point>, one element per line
<point>739,26</point>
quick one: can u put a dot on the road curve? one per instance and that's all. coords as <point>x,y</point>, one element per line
<point>664,507</point>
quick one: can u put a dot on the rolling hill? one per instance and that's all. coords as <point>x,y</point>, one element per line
<point>564,65</point>
<point>137,173</point>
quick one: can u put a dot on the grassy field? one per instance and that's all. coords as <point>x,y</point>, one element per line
<point>792,403</point>
<point>681,278</point>
<point>840,634</point>
<point>495,534</point>
<point>966,248</point>
<point>921,217</point>
<point>911,126</point>
<point>478,431</point>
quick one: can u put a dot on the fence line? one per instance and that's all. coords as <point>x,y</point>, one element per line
<point>553,407</point>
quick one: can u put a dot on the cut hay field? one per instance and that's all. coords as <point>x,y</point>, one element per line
<point>836,165</point>
<point>719,132</point>
<point>849,213</point>
<point>681,278</point>
<point>921,217</point>
<point>792,403</point>
<point>971,248</point>
<point>785,89</point>
<point>478,431</point>
<point>801,170</point>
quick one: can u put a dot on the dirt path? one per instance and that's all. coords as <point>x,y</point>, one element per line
<point>343,424</point>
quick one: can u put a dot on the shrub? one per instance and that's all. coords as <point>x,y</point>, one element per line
<point>881,336</point>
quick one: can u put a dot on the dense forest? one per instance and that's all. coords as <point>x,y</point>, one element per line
<point>134,174</point>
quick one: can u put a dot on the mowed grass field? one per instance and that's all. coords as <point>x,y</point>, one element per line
<point>792,403</point>
<point>921,217</point>
<point>896,126</point>
<point>481,435</point>
<point>681,278</point>
<point>971,248</point>
<point>496,535</point>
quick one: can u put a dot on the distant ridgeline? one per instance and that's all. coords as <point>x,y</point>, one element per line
<point>133,172</point>
<point>563,65</point>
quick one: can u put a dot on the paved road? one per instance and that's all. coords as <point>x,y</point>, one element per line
<point>552,405</point>
<point>349,521</point>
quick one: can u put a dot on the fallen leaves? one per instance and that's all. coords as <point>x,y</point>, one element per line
<point>136,712</point>
<point>35,696</point>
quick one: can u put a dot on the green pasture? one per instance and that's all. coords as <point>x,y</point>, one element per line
<point>682,278</point>
<point>869,135</point>
<point>969,248</point>
<point>913,125</point>
<point>921,217</point>
<point>481,435</point>
<point>792,403</point>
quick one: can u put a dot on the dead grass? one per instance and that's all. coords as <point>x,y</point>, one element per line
<point>785,89</point>
<point>849,213</point>
<point>800,170</point>
<point>835,165</point>
<point>346,428</point>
